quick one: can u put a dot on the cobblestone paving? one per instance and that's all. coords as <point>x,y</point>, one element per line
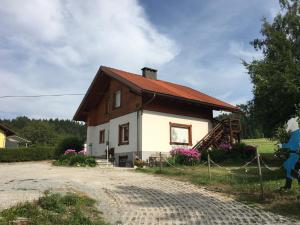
<point>127,197</point>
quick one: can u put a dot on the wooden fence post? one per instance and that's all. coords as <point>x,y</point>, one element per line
<point>160,161</point>
<point>208,162</point>
<point>260,175</point>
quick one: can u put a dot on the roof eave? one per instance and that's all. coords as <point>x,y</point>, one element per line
<point>216,107</point>
<point>101,71</point>
<point>7,131</point>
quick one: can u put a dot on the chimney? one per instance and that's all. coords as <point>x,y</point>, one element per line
<point>149,73</point>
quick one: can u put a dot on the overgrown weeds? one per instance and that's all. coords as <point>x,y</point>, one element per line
<point>56,209</point>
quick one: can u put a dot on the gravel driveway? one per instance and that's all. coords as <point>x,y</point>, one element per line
<point>127,197</point>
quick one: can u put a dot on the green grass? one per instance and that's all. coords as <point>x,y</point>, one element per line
<point>55,209</point>
<point>242,185</point>
<point>264,145</point>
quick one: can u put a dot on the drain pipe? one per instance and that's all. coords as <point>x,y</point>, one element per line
<point>137,115</point>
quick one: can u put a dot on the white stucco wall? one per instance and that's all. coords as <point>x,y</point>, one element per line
<point>156,130</point>
<point>112,133</point>
<point>154,133</point>
<point>96,149</point>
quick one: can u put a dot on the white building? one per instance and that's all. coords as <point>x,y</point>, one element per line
<point>138,115</point>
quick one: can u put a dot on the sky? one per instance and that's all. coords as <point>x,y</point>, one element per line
<point>57,46</point>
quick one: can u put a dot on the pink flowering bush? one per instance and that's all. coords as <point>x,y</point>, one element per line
<point>82,152</point>
<point>73,158</point>
<point>185,156</point>
<point>70,151</point>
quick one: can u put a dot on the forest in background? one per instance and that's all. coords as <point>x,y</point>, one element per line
<point>47,132</point>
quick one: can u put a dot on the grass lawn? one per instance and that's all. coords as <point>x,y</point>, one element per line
<point>242,185</point>
<point>56,209</point>
<point>264,145</point>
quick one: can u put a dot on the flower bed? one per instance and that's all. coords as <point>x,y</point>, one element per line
<point>73,158</point>
<point>185,156</point>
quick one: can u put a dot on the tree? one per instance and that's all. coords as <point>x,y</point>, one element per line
<point>46,132</point>
<point>276,77</point>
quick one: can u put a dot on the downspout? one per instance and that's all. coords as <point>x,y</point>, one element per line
<point>138,115</point>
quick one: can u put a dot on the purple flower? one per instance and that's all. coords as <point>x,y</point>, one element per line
<point>225,147</point>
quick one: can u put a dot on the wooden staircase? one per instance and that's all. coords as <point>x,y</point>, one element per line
<point>225,131</point>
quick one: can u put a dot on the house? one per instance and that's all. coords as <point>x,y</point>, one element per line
<point>9,139</point>
<point>15,141</point>
<point>135,115</point>
<point>4,133</point>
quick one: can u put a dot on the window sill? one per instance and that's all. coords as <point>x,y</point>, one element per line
<point>114,108</point>
<point>177,143</point>
<point>124,143</point>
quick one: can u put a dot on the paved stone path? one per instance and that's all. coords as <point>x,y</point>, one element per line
<point>127,197</point>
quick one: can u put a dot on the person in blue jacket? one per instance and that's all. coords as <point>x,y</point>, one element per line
<point>293,147</point>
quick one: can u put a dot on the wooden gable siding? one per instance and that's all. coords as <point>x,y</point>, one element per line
<point>167,105</point>
<point>130,102</point>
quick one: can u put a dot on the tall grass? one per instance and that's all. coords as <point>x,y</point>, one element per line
<point>68,209</point>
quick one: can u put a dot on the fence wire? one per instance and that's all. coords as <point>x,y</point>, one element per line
<point>235,168</point>
<point>266,166</point>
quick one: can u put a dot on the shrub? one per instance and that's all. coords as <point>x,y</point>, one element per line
<point>26,154</point>
<point>69,143</point>
<point>231,153</point>
<point>281,135</point>
<point>139,163</point>
<point>71,158</point>
<point>185,156</point>
<point>225,147</point>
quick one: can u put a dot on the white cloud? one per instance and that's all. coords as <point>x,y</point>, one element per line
<point>57,46</point>
<point>34,19</point>
<point>239,50</point>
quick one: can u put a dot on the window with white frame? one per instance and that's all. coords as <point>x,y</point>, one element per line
<point>117,99</point>
<point>124,134</point>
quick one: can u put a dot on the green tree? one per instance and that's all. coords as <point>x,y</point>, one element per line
<point>276,77</point>
<point>46,132</point>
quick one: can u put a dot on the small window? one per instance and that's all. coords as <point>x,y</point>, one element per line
<point>117,99</point>
<point>124,134</point>
<point>107,107</point>
<point>101,136</point>
<point>180,134</point>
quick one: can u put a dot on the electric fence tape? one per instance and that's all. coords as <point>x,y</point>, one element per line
<point>173,165</point>
<point>265,165</point>
<point>236,168</point>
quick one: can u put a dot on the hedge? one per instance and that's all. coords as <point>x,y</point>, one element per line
<point>26,154</point>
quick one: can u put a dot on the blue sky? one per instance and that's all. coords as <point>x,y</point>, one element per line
<point>56,46</point>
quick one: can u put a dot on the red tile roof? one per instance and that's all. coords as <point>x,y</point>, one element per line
<point>142,85</point>
<point>167,88</point>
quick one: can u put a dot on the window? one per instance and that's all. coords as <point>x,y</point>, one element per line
<point>180,134</point>
<point>107,107</point>
<point>124,134</point>
<point>117,99</point>
<point>101,136</point>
